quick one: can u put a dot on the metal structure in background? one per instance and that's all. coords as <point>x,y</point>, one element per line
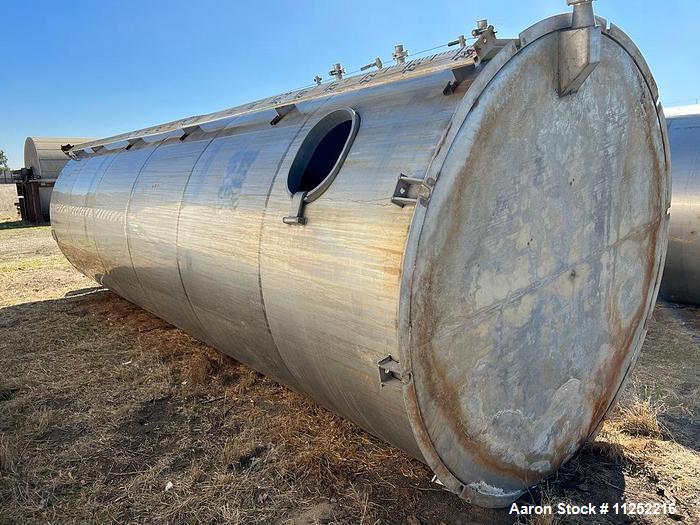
<point>470,257</point>
<point>681,280</point>
<point>43,161</point>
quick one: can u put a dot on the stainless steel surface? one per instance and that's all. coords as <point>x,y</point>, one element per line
<point>681,281</point>
<point>44,155</point>
<point>486,327</point>
<point>579,48</point>
<point>583,13</point>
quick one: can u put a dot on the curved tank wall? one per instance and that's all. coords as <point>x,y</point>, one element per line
<point>46,159</point>
<point>681,280</point>
<point>473,284</point>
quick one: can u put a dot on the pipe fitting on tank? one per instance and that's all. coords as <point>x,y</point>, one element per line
<point>583,13</point>
<point>337,71</point>
<point>399,54</point>
<point>579,48</point>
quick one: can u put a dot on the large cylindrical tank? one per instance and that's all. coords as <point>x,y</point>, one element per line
<point>458,253</point>
<point>681,280</point>
<point>46,159</point>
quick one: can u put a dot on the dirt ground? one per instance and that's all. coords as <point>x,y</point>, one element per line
<point>108,414</point>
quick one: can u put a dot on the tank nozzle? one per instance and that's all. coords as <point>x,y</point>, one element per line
<point>377,63</point>
<point>583,13</point>
<point>338,71</point>
<point>579,48</point>
<point>399,54</point>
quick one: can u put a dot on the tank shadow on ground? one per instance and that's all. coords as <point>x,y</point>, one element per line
<point>11,225</point>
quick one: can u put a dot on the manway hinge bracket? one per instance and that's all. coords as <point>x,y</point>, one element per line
<point>389,370</point>
<point>296,215</point>
<point>410,190</point>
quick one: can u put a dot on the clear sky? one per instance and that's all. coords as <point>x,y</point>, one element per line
<point>98,68</point>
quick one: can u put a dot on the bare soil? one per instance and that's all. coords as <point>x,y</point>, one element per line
<point>109,414</point>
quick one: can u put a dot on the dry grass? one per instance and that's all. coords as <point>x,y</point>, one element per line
<point>640,418</point>
<point>108,414</point>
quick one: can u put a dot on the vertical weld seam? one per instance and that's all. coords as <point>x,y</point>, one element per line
<point>146,296</point>
<point>92,214</point>
<point>69,208</point>
<point>260,240</point>
<point>177,235</point>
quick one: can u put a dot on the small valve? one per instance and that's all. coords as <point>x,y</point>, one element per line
<point>377,63</point>
<point>460,40</point>
<point>399,54</point>
<point>338,71</point>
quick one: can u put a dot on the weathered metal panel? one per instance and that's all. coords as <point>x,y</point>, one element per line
<point>220,229</point>
<point>546,271</point>
<point>112,197</point>
<point>681,280</point>
<point>343,267</point>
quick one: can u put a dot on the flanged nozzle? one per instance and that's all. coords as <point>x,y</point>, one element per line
<point>399,54</point>
<point>583,13</point>
<point>337,71</point>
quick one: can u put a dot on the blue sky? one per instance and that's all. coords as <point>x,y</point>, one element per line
<point>101,68</point>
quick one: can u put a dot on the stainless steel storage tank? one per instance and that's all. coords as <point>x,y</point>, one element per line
<point>43,161</point>
<point>681,280</point>
<point>458,253</point>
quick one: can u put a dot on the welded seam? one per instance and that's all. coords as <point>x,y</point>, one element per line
<point>260,240</point>
<point>177,236</point>
<point>126,230</point>
<point>92,214</point>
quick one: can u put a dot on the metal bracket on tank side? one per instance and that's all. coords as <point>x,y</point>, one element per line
<point>487,45</point>
<point>460,74</point>
<point>579,48</point>
<point>410,190</point>
<point>389,370</point>
<point>296,215</point>
<point>282,111</point>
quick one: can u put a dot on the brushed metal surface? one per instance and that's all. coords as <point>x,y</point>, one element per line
<point>546,271</point>
<point>681,280</point>
<point>185,219</point>
<point>44,155</point>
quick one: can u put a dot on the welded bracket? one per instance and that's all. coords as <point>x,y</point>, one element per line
<point>487,45</point>
<point>579,48</point>
<point>389,370</point>
<point>296,215</point>
<point>410,190</point>
<point>460,74</point>
<point>282,111</point>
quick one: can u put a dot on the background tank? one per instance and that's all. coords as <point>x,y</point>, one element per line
<point>43,161</point>
<point>459,252</point>
<point>681,281</point>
